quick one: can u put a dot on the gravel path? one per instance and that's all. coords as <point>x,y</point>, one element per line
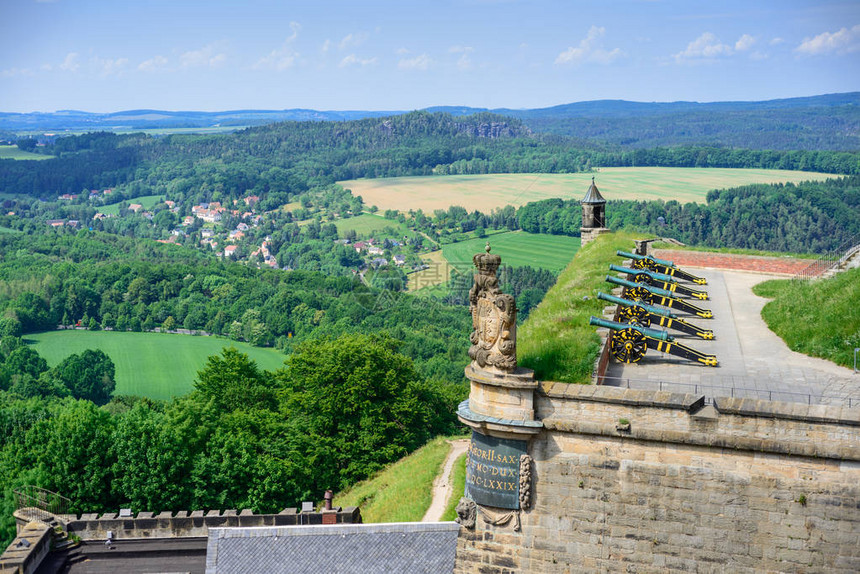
<point>442,484</point>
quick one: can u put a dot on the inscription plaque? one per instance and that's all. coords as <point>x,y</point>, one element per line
<point>493,471</point>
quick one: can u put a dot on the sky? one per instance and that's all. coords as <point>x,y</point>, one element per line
<point>214,55</point>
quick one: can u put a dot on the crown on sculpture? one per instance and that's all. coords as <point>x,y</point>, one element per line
<point>487,263</point>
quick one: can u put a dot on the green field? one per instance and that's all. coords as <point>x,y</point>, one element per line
<point>147,201</point>
<point>485,192</point>
<point>367,224</point>
<point>154,365</point>
<point>517,248</point>
<point>12,152</point>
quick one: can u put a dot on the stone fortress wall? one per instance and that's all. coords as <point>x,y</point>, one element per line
<point>644,481</point>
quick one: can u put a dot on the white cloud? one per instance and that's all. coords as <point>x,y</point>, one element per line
<point>352,40</point>
<point>590,49</point>
<point>776,41</point>
<point>705,47</point>
<point>13,72</point>
<point>153,64</point>
<point>109,66</point>
<point>326,46</point>
<point>421,62</point>
<point>353,60</point>
<point>203,58</point>
<point>295,28</point>
<point>843,41</point>
<point>464,62</point>
<point>744,43</point>
<point>71,63</point>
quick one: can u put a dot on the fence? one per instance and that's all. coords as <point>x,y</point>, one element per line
<point>40,504</point>
<point>831,259</point>
<point>715,391</point>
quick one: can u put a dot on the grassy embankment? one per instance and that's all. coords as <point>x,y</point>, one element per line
<point>556,339</point>
<point>485,192</point>
<point>819,318</point>
<point>154,365</point>
<point>403,491</point>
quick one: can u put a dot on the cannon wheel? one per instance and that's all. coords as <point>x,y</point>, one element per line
<point>628,345</point>
<point>642,278</point>
<point>636,315</point>
<point>637,294</point>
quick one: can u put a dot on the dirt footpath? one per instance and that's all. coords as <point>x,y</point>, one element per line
<point>442,484</point>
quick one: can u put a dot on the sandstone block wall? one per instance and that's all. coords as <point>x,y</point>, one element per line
<point>748,486</point>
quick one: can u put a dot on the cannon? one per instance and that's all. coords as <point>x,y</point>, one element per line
<point>661,266</point>
<point>654,295</point>
<point>660,280</point>
<point>646,315</point>
<point>628,343</point>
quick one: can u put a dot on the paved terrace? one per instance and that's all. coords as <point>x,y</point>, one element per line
<point>754,362</point>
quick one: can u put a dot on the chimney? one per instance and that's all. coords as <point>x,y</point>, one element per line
<point>328,498</point>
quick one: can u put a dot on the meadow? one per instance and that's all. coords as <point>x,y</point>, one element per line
<point>147,201</point>
<point>367,224</point>
<point>12,152</point>
<point>486,192</point>
<point>154,365</point>
<point>517,248</point>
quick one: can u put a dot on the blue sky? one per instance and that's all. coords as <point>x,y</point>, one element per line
<point>110,55</point>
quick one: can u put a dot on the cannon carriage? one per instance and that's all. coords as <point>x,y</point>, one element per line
<point>659,280</point>
<point>656,296</point>
<point>660,266</point>
<point>647,315</point>
<point>629,342</point>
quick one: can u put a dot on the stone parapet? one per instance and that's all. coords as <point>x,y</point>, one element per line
<point>27,550</point>
<point>197,524</point>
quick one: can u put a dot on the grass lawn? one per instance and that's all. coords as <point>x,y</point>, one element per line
<point>147,201</point>
<point>154,365</point>
<point>403,491</point>
<point>367,224</point>
<point>12,152</point>
<point>517,248</point>
<point>819,318</point>
<point>485,192</point>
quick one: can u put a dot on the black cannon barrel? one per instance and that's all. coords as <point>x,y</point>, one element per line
<point>641,257</point>
<point>653,333</point>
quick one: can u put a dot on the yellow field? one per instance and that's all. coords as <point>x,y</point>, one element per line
<point>484,192</point>
<point>439,272</point>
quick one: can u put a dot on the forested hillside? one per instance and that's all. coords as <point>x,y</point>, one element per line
<point>800,218</point>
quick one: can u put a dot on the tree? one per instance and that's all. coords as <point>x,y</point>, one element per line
<point>10,327</point>
<point>89,375</point>
<point>234,381</point>
<point>355,404</point>
<point>26,361</point>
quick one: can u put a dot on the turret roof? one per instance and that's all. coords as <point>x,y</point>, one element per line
<point>592,195</point>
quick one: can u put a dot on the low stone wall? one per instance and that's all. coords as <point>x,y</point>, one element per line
<point>197,523</point>
<point>27,551</point>
<point>643,481</point>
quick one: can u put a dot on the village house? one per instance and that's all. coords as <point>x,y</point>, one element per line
<point>230,250</point>
<point>399,260</point>
<point>135,207</point>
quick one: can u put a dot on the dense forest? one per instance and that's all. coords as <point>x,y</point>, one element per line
<point>805,217</point>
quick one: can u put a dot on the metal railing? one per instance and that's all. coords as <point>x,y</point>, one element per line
<point>830,260</point>
<point>40,504</point>
<point>710,391</point>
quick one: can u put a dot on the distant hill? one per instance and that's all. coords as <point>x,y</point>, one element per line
<point>825,122</point>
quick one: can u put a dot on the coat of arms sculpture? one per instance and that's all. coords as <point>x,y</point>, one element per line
<point>494,317</point>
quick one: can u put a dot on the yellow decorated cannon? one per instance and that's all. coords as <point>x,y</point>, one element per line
<point>647,315</point>
<point>661,266</point>
<point>628,343</point>
<point>659,280</point>
<point>656,296</point>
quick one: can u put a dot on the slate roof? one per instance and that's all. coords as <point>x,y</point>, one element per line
<point>592,195</point>
<point>414,547</point>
